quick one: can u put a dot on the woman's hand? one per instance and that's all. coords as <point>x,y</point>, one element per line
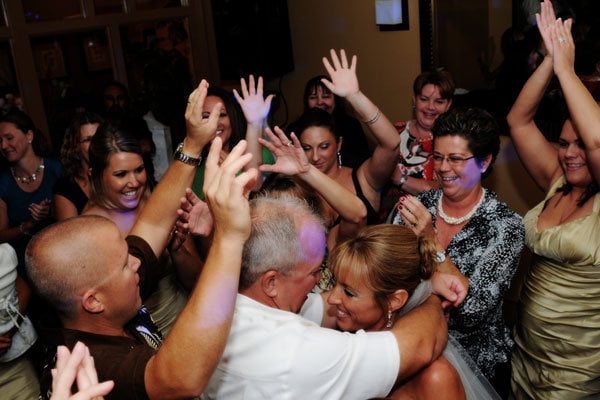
<point>255,107</point>
<point>416,216</point>
<point>546,21</point>
<point>344,81</point>
<point>564,47</point>
<point>290,157</point>
<point>41,210</point>
<point>77,366</point>
<point>194,215</point>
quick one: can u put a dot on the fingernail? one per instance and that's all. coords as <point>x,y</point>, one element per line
<point>402,198</point>
<point>399,206</point>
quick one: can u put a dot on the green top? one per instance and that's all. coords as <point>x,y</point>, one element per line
<point>197,186</point>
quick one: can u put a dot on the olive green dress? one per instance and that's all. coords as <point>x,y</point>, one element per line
<point>557,335</point>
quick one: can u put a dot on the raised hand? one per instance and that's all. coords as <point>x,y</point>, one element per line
<point>546,21</point>
<point>254,105</point>
<point>194,215</point>
<point>227,191</point>
<point>78,366</point>
<point>200,131</point>
<point>564,47</point>
<point>290,157</point>
<point>344,81</point>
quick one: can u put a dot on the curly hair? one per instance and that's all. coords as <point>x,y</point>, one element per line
<point>70,154</point>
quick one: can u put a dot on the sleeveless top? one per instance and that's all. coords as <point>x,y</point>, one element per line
<point>372,216</point>
<point>557,335</point>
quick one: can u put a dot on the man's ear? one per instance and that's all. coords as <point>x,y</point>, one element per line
<point>92,302</point>
<point>268,282</point>
<point>398,299</point>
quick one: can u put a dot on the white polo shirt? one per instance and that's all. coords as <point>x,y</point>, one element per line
<point>275,354</point>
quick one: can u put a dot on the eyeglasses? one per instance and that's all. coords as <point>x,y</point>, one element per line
<point>452,160</point>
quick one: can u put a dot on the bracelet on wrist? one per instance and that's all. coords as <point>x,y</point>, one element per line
<point>403,179</point>
<point>186,158</point>
<point>374,118</point>
<point>22,229</point>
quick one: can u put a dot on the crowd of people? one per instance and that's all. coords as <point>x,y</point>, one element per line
<point>264,262</point>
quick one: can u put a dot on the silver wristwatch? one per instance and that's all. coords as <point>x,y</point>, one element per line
<point>186,159</point>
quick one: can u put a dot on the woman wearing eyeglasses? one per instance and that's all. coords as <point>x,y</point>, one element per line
<point>72,191</point>
<point>477,236</point>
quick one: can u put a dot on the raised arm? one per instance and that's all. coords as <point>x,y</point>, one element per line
<point>537,155</point>
<point>197,340</point>
<point>256,110</point>
<point>291,160</point>
<point>158,217</point>
<point>378,169</point>
<point>584,111</point>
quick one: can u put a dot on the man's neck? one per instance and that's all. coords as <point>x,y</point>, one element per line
<point>98,326</point>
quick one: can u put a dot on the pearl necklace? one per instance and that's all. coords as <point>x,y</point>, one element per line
<point>457,221</point>
<point>26,180</point>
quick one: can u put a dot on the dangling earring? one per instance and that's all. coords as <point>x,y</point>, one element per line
<point>339,157</point>
<point>389,322</point>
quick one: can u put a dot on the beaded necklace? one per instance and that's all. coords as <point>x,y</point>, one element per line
<point>26,180</point>
<point>457,221</point>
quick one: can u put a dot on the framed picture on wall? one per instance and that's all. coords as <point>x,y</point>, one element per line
<point>49,60</point>
<point>391,15</point>
<point>97,56</point>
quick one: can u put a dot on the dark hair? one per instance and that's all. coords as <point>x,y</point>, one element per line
<point>280,185</point>
<point>110,138</point>
<point>311,118</point>
<point>234,111</point>
<point>70,156</point>
<point>24,123</point>
<point>116,84</point>
<point>476,126</point>
<point>591,189</point>
<point>442,79</point>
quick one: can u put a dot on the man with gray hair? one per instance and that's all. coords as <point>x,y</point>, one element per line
<point>93,276</point>
<point>272,352</point>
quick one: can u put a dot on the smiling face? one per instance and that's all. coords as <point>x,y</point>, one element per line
<point>321,148</point>
<point>458,179</point>
<point>321,98</point>
<point>356,307</point>
<point>429,105</point>
<point>14,143</point>
<point>572,157</point>
<point>224,124</point>
<point>124,180</point>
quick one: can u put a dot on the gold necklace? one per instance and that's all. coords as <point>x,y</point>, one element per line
<point>26,180</point>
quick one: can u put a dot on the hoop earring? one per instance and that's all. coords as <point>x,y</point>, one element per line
<point>389,322</point>
<point>339,158</point>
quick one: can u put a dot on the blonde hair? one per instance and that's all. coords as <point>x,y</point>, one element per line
<point>385,258</point>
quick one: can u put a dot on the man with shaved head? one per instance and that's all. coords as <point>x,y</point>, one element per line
<point>93,277</point>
